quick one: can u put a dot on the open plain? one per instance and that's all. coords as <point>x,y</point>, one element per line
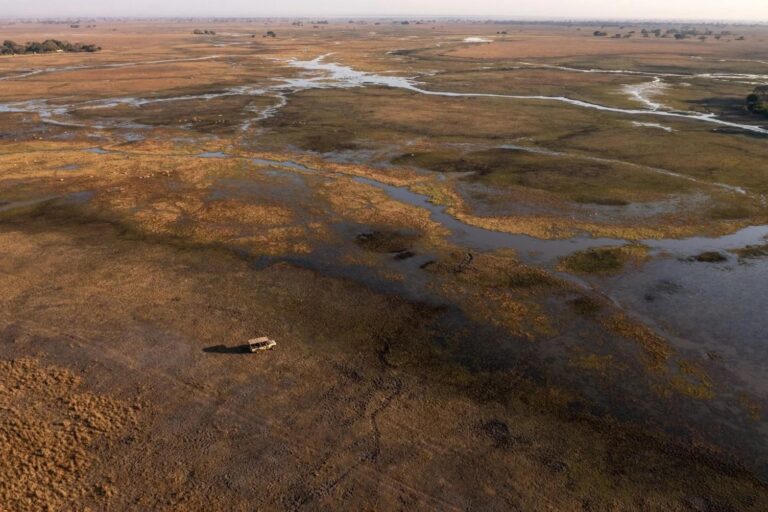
<point>508,267</point>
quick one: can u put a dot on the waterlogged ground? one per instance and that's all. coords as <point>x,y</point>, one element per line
<point>518,271</point>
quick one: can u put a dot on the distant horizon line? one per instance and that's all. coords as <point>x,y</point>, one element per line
<point>403,17</point>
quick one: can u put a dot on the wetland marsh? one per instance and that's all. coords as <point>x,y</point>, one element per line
<point>518,269</point>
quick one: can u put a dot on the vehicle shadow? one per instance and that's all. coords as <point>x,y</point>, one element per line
<point>223,349</point>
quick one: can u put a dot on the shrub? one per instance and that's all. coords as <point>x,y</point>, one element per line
<point>603,260</point>
<point>757,102</point>
<point>710,257</point>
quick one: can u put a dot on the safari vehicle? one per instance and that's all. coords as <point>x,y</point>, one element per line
<point>263,343</point>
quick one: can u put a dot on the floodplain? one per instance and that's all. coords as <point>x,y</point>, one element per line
<point>508,267</point>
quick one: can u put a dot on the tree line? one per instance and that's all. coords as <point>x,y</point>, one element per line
<point>48,46</point>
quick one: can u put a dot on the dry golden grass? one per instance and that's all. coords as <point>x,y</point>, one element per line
<point>49,433</point>
<point>569,43</point>
<point>657,350</point>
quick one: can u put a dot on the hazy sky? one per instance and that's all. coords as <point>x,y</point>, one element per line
<point>624,9</point>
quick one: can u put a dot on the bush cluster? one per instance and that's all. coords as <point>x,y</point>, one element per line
<point>757,102</point>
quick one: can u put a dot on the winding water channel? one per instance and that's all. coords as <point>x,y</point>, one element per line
<point>687,304</point>
<point>344,76</point>
<point>531,250</point>
<point>334,75</point>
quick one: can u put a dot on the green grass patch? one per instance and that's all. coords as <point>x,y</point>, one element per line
<point>602,260</point>
<point>530,278</point>
<point>730,212</point>
<point>440,161</point>
<point>386,241</point>
<point>585,306</point>
<point>710,257</point>
<point>600,201</point>
<point>752,251</point>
